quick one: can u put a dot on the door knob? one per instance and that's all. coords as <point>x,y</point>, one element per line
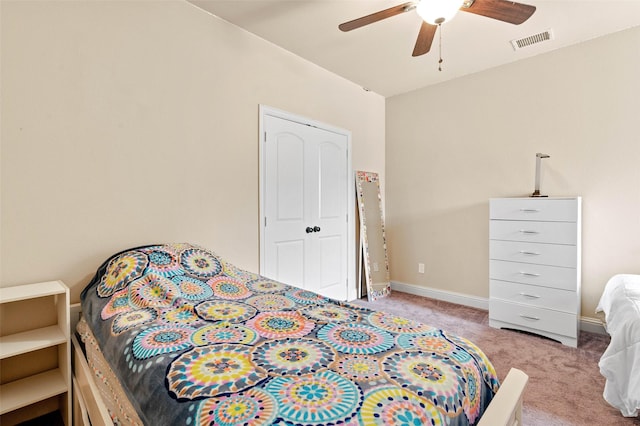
<point>316,229</point>
<point>309,229</point>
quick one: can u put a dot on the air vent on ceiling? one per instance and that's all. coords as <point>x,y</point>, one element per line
<point>532,39</point>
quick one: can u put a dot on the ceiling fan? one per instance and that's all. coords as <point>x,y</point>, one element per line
<point>436,12</point>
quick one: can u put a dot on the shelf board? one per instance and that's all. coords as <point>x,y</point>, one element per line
<point>29,291</point>
<point>32,340</point>
<point>23,392</point>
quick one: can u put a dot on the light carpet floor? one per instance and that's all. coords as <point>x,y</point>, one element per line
<point>565,386</point>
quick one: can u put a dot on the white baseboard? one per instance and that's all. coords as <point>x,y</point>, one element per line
<point>592,325</point>
<point>447,296</point>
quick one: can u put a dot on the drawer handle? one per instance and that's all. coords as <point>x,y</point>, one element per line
<point>529,274</point>
<point>529,253</point>
<point>530,318</point>
<point>530,296</point>
<point>524,231</point>
<point>529,210</point>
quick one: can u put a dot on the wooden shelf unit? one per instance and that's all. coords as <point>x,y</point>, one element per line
<point>38,387</point>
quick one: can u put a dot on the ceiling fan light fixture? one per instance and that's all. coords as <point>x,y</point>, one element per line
<point>436,12</point>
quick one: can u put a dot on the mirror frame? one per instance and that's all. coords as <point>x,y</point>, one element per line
<point>373,293</point>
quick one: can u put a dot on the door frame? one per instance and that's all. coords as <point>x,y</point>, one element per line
<point>264,111</point>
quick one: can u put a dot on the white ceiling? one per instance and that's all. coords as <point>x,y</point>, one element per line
<point>378,56</point>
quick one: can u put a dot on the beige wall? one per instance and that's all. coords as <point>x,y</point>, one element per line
<point>451,147</point>
<point>135,122</point>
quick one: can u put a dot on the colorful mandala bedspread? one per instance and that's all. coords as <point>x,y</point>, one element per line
<point>197,341</point>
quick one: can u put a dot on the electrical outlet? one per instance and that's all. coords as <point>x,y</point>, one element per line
<point>375,267</point>
<point>421,268</point>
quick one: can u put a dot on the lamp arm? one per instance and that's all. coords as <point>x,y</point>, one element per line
<point>536,192</point>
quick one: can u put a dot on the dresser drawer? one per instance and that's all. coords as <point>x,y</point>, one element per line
<point>532,231</point>
<point>530,273</point>
<point>549,209</point>
<point>542,297</point>
<point>541,254</point>
<point>533,317</point>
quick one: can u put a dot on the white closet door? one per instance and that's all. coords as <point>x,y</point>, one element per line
<point>306,202</point>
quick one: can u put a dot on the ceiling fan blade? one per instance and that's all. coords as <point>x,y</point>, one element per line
<point>425,38</point>
<point>502,10</point>
<point>378,16</point>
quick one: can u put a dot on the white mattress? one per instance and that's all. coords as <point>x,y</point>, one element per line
<point>620,363</point>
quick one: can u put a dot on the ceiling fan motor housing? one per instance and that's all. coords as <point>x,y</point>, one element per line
<point>436,12</point>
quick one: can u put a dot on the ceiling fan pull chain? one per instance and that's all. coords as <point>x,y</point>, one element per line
<point>440,46</point>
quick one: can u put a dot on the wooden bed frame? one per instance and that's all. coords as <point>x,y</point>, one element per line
<point>88,408</point>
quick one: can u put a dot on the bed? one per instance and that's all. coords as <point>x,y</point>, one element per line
<point>174,335</point>
<point>620,363</point>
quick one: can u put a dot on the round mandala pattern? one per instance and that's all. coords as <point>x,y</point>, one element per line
<point>317,398</point>
<point>356,338</point>
<point>280,324</point>
<point>425,342</point>
<point>235,272</point>
<point>253,407</point>
<point>200,263</point>
<point>163,262</point>
<point>293,356</point>
<point>361,368</point>
<point>192,288</point>
<point>467,347</point>
<point>271,302</point>
<point>396,324</point>
<point>461,356</point>
<point>117,304</point>
<point>153,291</point>
<point>132,319</point>
<point>306,297</point>
<point>225,310</point>
<point>390,405</point>
<point>161,340</point>
<point>120,271</point>
<point>182,314</point>
<point>432,376</point>
<point>330,313</point>
<point>224,333</point>
<point>212,370</point>
<point>158,298</point>
<point>473,389</point>
<point>228,288</point>
<point>264,285</point>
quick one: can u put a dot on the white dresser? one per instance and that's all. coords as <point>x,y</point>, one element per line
<point>534,266</point>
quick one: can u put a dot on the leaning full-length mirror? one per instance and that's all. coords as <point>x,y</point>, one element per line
<point>373,251</point>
